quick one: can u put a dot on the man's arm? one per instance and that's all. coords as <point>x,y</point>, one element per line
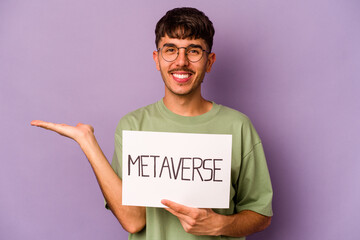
<point>206,222</point>
<point>133,219</point>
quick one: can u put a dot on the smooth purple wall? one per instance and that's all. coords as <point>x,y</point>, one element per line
<point>291,66</point>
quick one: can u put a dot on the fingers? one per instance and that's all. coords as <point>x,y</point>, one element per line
<point>197,221</point>
<point>78,133</point>
<point>180,210</point>
<point>176,206</point>
<point>49,125</point>
<point>36,122</point>
<point>62,129</point>
<point>43,124</point>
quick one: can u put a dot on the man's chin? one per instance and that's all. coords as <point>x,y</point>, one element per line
<point>182,93</point>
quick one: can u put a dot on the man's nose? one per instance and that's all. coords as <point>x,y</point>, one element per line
<point>182,59</point>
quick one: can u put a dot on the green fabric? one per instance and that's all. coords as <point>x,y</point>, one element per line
<point>250,182</point>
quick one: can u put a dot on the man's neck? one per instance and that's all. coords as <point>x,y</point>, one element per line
<point>187,105</point>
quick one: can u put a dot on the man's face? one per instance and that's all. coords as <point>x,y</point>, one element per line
<point>182,77</point>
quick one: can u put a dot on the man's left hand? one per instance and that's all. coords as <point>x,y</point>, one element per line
<point>197,221</point>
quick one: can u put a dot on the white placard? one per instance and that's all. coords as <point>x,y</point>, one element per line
<point>190,169</point>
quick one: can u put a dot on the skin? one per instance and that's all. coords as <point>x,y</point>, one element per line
<point>183,97</point>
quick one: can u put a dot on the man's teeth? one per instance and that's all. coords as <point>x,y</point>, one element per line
<point>181,76</point>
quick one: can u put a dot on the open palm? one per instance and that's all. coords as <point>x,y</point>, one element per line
<point>77,132</point>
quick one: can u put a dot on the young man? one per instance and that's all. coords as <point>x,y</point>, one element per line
<point>184,41</point>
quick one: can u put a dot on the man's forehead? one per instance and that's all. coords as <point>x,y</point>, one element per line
<point>179,42</point>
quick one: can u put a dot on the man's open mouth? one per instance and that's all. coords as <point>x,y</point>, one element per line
<point>181,75</point>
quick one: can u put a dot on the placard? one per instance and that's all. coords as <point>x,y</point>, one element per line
<point>187,168</point>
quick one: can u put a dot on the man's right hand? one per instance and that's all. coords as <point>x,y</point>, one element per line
<point>78,133</point>
<point>132,218</point>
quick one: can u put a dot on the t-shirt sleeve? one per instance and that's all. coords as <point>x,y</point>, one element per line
<point>254,189</point>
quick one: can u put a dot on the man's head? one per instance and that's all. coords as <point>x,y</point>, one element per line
<point>184,38</point>
<point>185,23</point>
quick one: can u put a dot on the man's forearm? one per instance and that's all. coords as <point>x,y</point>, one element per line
<point>204,221</point>
<point>242,224</point>
<point>133,219</point>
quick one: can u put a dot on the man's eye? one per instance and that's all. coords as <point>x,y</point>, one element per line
<point>170,50</point>
<point>194,51</point>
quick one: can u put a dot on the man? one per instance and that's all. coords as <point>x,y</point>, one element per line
<point>184,40</point>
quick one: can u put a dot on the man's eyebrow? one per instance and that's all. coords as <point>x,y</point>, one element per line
<point>195,46</point>
<point>191,45</point>
<point>169,45</point>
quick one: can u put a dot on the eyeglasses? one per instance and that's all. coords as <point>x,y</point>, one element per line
<point>193,52</point>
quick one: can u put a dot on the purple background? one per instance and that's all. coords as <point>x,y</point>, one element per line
<point>291,66</point>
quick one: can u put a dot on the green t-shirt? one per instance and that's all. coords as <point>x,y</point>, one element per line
<point>250,182</point>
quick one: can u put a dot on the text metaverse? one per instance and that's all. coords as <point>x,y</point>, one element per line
<point>183,168</point>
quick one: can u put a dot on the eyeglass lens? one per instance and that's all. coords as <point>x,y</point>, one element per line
<point>170,53</point>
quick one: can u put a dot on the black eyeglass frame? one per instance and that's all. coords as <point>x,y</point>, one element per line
<point>178,48</point>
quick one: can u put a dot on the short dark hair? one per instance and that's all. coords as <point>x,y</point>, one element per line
<point>183,23</point>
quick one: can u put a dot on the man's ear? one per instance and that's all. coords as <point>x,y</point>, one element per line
<point>210,61</point>
<point>156,59</point>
